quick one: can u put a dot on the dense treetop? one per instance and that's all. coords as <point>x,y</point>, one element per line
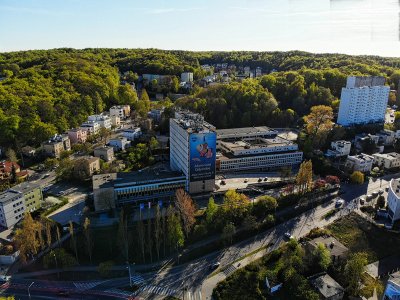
<point>49,91</point>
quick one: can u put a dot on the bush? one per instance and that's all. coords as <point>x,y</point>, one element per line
<point>357,177</point>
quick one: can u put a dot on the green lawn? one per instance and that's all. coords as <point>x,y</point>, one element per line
<point>361,236</point>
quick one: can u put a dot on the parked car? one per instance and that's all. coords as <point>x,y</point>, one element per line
<point>288,235</point>
<point>265,178</point>
<point>362,200</point>
<point>259,179</point>
<point>375,193</point>
<point>246,180</point>
<point>59,194</point>
<point>215,266</point>
<point>223,182</point>
<point>339,203</point>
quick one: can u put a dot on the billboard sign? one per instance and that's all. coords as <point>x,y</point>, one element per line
<point>202,156</point>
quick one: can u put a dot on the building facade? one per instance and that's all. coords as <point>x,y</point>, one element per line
<point>193,150</point>
<point>12,208</point>
<point>187,77</point>
<point>132,134</point>
<point>339,148</point>
<point>105,153</point>
<point>363,100</point>
<point>138,189</point>
<point>387,160</point>
<point>57,144</point>
<point>393,200</point>
<point>32,193</point>
<point>77,135</point>
<point>392,289</point>
<point>255,148</point>
<point>119,143</point>
<point>361,162</point>
<point>121,111</point>
<point>91,127</point>
<point>103,120</point>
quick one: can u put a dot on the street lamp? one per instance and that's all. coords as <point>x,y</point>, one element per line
<point>130,275</point>
<point>29,292</point>
<point>55,258</point>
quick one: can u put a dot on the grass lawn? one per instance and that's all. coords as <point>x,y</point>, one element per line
<point>361,236</point>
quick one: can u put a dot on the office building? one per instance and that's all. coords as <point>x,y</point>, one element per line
<point>255,148</point>
<point>392,289</point>
<point>387,160</point>
<point>193,150</point>
<point>142,188</point>
<point>361,162</point>
<point>363,100</point>
<point>393,200</point>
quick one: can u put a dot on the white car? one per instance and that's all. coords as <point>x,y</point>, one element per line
<point>288,235</point>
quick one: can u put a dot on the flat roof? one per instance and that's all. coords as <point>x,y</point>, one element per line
<point>135,178</point>
<point>327,286</point>
<point>8,195</point>
<point>25,187</point>
<point>245,130</point>
<point>391,156</point>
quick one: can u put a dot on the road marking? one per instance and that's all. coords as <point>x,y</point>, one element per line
<point>159,290</point>
<point>86,285</point>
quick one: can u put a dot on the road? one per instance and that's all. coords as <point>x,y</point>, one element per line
<point>195,276</point>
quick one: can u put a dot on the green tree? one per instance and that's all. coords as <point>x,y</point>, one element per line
<point>322,257</point>
<point>304,176</point>
<point>87,233</point>
<point>264,204</point>
<point>185,206</point>
<point>11,155</point>
<point>123,238</point>
<point>357,177</point>
<point>73,239</point>
<point>235,205</point>
<point>174,231</point>
<point>319,123</point>
<point>211,210</point>
<point>228,232</point>
<point>354,268</point>
<point>26,237</point>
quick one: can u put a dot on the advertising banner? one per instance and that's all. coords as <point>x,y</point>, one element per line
<point>202,156</point>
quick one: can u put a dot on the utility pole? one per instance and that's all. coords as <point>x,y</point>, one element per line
<point>130,276</point>
<point>29,292</point>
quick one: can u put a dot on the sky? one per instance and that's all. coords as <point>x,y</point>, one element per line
<point>344,26</point>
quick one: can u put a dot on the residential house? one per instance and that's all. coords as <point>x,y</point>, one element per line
<point>327,287</point>
<point>361,162</point>
<point>57,144</point>
<point>86,166</point>
<point>387,160</point>
<point>106,153</point>
<point>337,250</point>
<point>122,111</point>
<point>77,135</point>
<point>339,149</point>
<point>115,121</point>
<point>28,151</point>
<point>103,120</point>
<point>12,208</point>
<point>91,127</point>
<point>119,143</point>
<point>6,170</point>
<point>386,137</point>
<point>364,141</point>
<point>187,77</point>
<point>132,134</point>
<point>156,114</point>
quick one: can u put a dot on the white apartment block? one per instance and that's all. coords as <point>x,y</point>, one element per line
<point>187,77</point>
<point>387,160</point>
<point>121,111</point>
<point>363,100</point>
<point>386,137</point>
<point>106,153</point>
<point>12,208</point>
<point>91,127</point>
<point>339,148</point>
<point>361,162</point>
<point>119,143</point>
<point>103,120</point>
<point>393,200</point>
<point>132,134</point>
<point>115,121</point>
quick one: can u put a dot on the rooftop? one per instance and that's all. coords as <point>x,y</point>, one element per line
<point>192,122</point>
<point>395,186</point>
<point>57,138</point>
<point>105,148</point>
<point>25,187</point>
<point>8,195</point>
<point>261,130</point>
<point>326,285</point>
<point>135,178</point>
<point>390,156</point>
<point>395,278</point>
<point>255,143</point>
<point>335,247</point>
<point>362,156</point>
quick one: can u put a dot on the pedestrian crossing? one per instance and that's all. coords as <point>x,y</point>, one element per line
<point>229,270</point>
<point>119,292</point>
<point>137,279</point>
<point>159,290</point>
<point>86,285</point>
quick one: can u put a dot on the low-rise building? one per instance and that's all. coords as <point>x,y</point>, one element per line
<point>106,153</point>
<point>187,77</point>
<point>392,289</point>
<point>156,114</point>
<point>6,169</point>
<point>121,111</point>
<point>339,149</point>
<point>327,287</point>
<point>386,137</point>
<point>91,127</point>
<point>361,162</point>
<point>115,121</point>
<point>32,193</point>
<point>12,208</point>
<point>132,134</point>
<point>28,151</point>
<point>103,120</point>
<point>363,140</point>
<point>387,160</point>
<point>119,143</point>
<point>337,250</point>
<point>139,189</point>
<point>57,144</point>
<point>86,166</point>
<point>393,200</point>
<point>254,148</point>
<point>77,135</point>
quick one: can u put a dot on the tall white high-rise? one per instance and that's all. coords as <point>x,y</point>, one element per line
<point>193,150</point>
<point>363,100</point>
